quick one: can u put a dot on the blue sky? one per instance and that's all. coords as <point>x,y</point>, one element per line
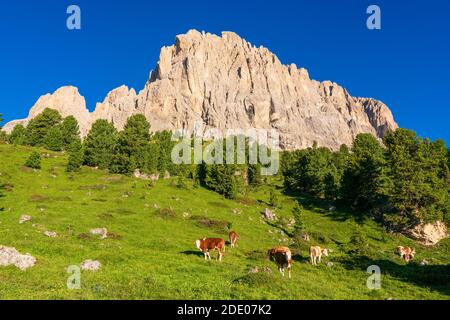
<point>406,64</point>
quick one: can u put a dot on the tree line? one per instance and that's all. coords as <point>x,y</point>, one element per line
<point>124,152</point>
<point>401,181</point>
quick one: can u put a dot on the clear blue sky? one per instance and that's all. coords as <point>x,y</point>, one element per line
<point>406,64</point>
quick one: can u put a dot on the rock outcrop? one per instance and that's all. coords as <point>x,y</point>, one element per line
<point>227,83</point>
<point>67,100</point>
<point>429,233</point>
<point>10,256</point>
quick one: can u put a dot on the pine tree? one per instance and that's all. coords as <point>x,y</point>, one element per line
<point>131,145</point>
<point>151,157</point>
<point>363,178</point>
<point>39,126</point>
<point>75,151</point>
<point>70,131</point>
<point>99,144</point>
<point>297,212</point>
<point>201,174</point>
<point>273,198</point>
<point>254,174</point>
<point>164,140</point>
<point>18,135</point>
<point>222,178</point>
<point>34,160</point>
<point>53,140</point>
<point>418,179</point>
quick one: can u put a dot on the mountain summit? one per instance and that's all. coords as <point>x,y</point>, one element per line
<point>227,83</point>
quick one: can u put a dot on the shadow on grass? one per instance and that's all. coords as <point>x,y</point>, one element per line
<point>193,253</point>
<point>340,213</point>
<point>434,277</point>
<point>300,258</point>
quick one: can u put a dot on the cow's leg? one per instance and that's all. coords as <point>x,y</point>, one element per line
<point>206,255</point>
<point>311,258</point>
<point>319,257</point>
<point>289,270</point>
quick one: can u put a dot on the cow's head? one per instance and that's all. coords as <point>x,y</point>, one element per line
<point>197,244</point>
<point>413,252</point>
<point>325,252</point>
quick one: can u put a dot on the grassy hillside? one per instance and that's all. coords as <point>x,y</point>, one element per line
<point>153,256</point>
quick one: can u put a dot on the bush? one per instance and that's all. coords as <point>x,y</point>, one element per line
<point>34,160</point>
<point>273,199</point>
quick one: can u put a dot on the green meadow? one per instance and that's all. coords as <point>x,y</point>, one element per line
<point>150,252</point>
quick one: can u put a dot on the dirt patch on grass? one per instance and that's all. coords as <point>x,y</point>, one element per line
<point>166,213</point>
<point>113,179</point>
<point>62,198</point>
<point>246,201</point>
<point>124,211</point>
<point>39,198</point>
<point>220,226</point>
<point>26,169</point>
<point>106,216</point>
<point>8,187</point>
<point>256,279</point>
<point>113,236</point>
<point>85,236</point>
<point>218,204</point>
<point>93,187</point>
<point>256,255</point>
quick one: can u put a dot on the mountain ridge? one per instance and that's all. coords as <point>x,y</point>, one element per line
<point>227,83</point>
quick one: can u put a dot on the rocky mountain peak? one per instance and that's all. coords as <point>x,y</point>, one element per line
<point>227,83</point>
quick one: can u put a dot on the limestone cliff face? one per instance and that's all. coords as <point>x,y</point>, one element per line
<point>66,100</point>
<point>227,83</point>
<point>117,107</point>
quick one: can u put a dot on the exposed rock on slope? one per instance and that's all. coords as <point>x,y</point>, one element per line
<point>10,256</point>
<point>429,233</point>
<point>227,83</point>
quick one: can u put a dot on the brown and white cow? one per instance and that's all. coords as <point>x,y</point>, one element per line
<point>234,237</point>
<point>283,257</point>
<point>206,244</point>
<point>315,253</point>
<point>406,253</point>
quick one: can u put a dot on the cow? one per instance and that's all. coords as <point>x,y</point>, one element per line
<point>234,237</point>
<point>406,253</point>
<point>315,253</point>
<point>206,244</point>
<point>283,257</point>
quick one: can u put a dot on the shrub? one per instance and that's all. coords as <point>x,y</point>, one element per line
<point>34,160</point>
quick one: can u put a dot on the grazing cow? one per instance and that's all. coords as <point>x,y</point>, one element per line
<point>206,244</point>
<point>234,237</point>
<point>406,253</point>
<point>315,253</point>
<point>283,257</point>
